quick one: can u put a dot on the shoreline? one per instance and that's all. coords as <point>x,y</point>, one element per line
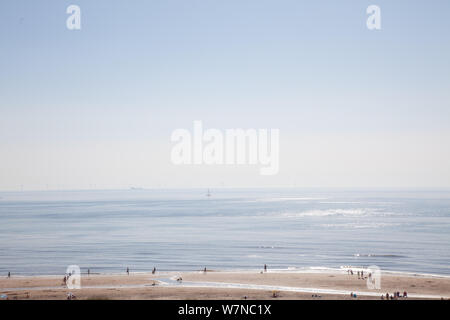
<point>308,270</point>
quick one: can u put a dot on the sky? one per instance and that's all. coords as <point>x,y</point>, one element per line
<point>95,108</point>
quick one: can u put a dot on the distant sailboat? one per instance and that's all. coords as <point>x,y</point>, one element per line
<point>208,194</point>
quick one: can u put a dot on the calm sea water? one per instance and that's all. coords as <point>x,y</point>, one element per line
<point>107,231</point>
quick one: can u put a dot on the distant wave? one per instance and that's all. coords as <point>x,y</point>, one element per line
<point>329,212</point>
<point>290,199</point>
<point>254,256</point>
<point>379,255</point>
<point>340,202</point>
<point>358,225</point>
<point>270,247</point>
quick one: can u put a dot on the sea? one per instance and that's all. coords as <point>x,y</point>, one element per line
<point>288,229</point>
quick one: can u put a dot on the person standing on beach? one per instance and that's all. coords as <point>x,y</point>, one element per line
<point>154,270</point>
<point>9,274</point>
<point>265,267</point>
<point>89,272</point>
<point>128,271</point>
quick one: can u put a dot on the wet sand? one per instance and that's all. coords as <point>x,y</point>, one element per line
<point>223,285</point>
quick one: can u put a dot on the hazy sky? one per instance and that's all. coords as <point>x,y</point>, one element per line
<point>95,108</point>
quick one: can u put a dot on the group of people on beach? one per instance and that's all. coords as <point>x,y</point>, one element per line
<point>128,270</point>
<point>360,274</point>
<point>394,296</point>
<point>387,296</point>
<point>66,278</point>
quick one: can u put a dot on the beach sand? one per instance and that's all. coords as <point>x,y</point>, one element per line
<point>211,285</point>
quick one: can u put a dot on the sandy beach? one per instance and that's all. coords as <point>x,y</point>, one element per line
<point>223,285</point>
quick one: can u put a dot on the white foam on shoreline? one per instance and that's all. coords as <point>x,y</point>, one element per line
<point>313,269</point>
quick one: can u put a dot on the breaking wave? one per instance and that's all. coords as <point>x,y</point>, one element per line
<point>329,212</point>
<point>378,255</point>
